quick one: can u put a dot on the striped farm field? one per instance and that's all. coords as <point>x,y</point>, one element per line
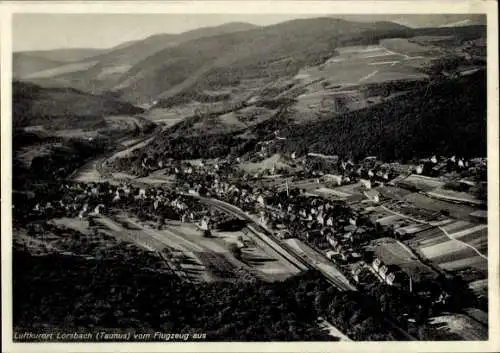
<point>456,246</point>
<point>474,261</point>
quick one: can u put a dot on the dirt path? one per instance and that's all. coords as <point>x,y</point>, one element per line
<point>368,76</point>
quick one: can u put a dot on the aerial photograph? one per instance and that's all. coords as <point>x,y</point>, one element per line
<point>249,178</point>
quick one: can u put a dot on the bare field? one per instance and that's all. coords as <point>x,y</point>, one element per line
<point>406,46</point>
<point>476,262</point>
<point>88,173</point>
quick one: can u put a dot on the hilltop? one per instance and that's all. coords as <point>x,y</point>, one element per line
<point>222,67</point>
<point>99,72</point>
<point>245,59</point>
<point>64,55</point>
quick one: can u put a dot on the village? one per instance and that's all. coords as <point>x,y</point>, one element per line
<point>413,227</point>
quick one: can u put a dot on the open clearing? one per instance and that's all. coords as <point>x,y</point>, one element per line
<point>353,65</point>
<point>88,173</point>
<point>77,224</point>
<point>275,161</point>
<point>334,86</point>
<point>124,153</point>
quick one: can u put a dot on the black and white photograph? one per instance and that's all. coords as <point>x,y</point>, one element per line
<point>249,177</point>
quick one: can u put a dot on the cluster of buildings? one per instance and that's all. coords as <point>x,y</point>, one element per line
<point>83,200</point>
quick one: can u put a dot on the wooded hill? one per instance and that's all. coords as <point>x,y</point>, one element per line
<point>62,107</point>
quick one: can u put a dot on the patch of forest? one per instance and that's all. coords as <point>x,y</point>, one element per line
<point>69,292</point>
<point>59,163</point>
<point>62,108</point>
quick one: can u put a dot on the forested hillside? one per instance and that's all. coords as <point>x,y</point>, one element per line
<point>446,117</point>
<point>62,107</point>
<point>263,53</point>
<point>56,290</point>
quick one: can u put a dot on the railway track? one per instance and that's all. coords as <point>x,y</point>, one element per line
<point>283,249</point>
<point>273,242</point>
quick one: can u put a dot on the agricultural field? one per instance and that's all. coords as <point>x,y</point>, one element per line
<point>459,247</point>
<point>457,211</point>
<point>170,116</point>
<point>336,85</point>
<point>422,183</point>
<point>126,152</point>
<point>454,196</point>
<point>393,252</point>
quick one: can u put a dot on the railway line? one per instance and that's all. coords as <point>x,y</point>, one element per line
<point>269,238</point>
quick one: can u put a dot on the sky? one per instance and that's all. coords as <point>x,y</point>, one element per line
<point>54,31</point>
<point>46,31</point>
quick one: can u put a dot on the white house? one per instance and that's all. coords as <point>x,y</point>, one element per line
<point>366,183</point>
<point>205,223</point>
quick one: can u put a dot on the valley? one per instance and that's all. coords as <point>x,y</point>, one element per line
<point>312,180</point>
